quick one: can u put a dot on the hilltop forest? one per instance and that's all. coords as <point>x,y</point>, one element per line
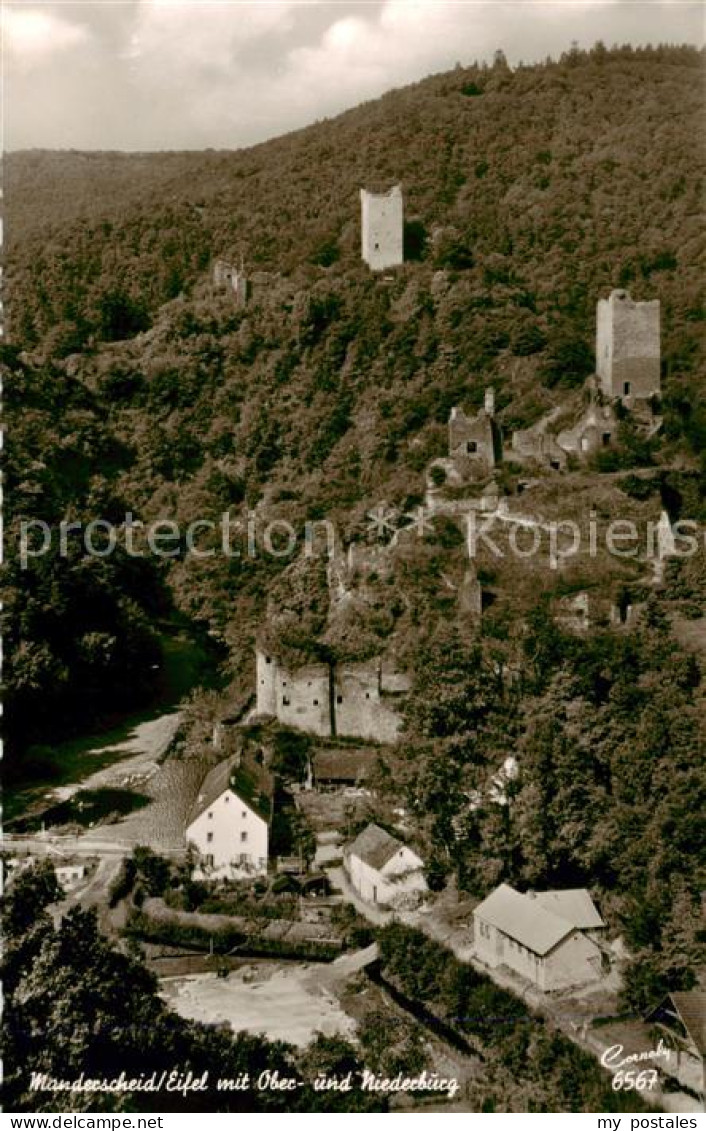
<point>132,385</point>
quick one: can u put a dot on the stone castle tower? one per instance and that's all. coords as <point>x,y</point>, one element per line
<point>382,223</point>
<point>628,347</point>
<point>230,278</point>
<point>474,441</point>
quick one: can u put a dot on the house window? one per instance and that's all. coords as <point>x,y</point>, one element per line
<point>367,694</point>
<point>471,447</point>
<point>606,439</point>
<point>626,389</point>
<point>209,860</point>
<point>210,815</point>
<point>316,702</point>
<point>209,837</point>
<point>244,813</point>
<point>284,683</point>
<point>268,659</point>
<point>339,698</point>
<point>285,700</point>
<point>243,838</point>
<point>227,798</point>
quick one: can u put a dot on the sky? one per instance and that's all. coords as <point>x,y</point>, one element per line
<point>193,74</point>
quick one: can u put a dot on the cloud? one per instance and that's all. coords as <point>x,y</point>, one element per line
<point>31,36</point>
<point>155,74</point>
<point>179,34</point>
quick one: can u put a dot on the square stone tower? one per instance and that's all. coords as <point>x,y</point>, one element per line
<point>628,347</point>
<point>382,223</point>
<point>227,277</point>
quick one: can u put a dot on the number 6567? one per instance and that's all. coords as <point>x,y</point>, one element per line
<point>629,1079</point>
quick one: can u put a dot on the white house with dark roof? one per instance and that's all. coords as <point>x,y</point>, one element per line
<point>229,823</point>
<point>382,868</point>
<point>549,937</point>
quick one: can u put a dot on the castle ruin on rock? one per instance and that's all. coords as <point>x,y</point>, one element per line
<point>349,700</point>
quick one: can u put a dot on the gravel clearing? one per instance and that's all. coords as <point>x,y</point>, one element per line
<point>285,1003</point>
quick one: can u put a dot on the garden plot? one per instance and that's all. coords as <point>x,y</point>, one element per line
<point>285,1003</point>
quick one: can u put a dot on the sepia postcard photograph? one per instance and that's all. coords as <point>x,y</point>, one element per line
<point>353,356</point>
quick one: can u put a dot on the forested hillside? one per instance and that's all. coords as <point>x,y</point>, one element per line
<point>133,385</point>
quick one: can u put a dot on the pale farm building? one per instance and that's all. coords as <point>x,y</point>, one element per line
<point>381,868</point>
<point>549,938</point>
<point>229,824</point>
<point>71,875</point>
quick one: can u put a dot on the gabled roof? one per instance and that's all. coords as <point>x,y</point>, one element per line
<point>539,920</point>
<point>573,904</point>
<point>244,776</point>
<point>690,1008</point>
<point>215,783</point>
<point>523,919</point>
<point>375,847</point>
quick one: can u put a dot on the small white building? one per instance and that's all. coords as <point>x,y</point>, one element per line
<point>71,875</point>
<point>229,824</point>
<point>549,937</point>
<point>381,868</point>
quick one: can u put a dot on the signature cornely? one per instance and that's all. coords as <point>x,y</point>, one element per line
<point>614,1057</point>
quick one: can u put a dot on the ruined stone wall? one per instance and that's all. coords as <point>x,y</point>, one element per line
<point>537,446</point>
<point>472,441</point>
<point>297,698</point>
<point>228,277</point>
<point>348,701</point>
<point>382,228</point>
<point>628,347</point>
<point>360,708</point>
<point>597,428</point>
<point>303,698</point>
<point>266,683</point>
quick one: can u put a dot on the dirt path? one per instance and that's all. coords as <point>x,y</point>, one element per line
<point>137,757</point>
<point>137,764</point>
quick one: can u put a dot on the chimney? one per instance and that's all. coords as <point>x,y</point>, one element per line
<point>490,400</point>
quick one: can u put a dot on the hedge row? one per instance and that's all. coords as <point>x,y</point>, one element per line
<point>519,1040</point>
<point>174,933</point>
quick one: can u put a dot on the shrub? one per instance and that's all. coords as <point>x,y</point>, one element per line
<point>123,883</point>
